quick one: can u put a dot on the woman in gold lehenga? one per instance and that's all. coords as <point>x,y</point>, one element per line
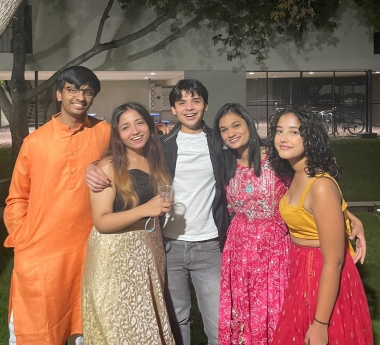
<point>123,281</point>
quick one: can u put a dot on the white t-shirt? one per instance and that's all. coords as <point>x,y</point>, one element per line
<point>190,218</point>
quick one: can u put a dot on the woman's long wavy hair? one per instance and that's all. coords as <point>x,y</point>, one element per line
<point>319,157</point>
<point>117,154</point>
<point>228,157</point>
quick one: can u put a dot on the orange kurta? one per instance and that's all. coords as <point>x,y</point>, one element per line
<point>48,218</point>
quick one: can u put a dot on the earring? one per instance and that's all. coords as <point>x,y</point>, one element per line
<point>225,147</point>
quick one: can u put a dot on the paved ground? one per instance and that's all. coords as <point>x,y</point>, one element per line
<point>5,137</point>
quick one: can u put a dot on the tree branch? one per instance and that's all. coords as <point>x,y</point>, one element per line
<point>98,48</point>
<point>30,94</point>
<point>105,16</point>
<point>161,45</point>
<point>138,34</point>
<point>19,49</point>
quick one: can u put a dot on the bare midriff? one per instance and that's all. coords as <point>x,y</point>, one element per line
<point>304,242</point>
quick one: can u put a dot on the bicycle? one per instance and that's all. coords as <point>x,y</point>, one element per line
<point>353,124</point>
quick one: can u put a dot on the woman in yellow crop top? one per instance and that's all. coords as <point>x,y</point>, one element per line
<point>325,301</point>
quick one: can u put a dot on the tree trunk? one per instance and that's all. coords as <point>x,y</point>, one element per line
<point>19,120</point>
<point>18,125</point>
<point>7,10</point>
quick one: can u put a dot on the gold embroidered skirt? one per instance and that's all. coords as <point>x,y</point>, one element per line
<point>123,289</point>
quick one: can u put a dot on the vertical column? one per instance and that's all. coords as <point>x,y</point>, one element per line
<point>36,108</point>
<point>368,103</point>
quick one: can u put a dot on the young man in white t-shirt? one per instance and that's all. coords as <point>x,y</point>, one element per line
<point>195,228</point>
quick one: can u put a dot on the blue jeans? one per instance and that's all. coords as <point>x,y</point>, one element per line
<point>200,262</point>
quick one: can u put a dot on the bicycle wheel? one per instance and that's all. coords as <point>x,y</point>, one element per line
<point>355,125</point>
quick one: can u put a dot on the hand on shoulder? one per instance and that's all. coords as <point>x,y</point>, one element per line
<point>98,177</point>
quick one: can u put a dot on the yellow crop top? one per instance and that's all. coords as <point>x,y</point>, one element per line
<point>301,224</point>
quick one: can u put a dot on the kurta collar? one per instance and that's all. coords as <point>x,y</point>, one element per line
<point>66,128</point>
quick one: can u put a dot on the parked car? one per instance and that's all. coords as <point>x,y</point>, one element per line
<point>354,99</point>
<point>327,98</point>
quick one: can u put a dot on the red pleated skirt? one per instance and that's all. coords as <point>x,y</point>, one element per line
<point>350,323</point>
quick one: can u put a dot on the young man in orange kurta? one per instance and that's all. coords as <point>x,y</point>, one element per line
<point>48,215</point>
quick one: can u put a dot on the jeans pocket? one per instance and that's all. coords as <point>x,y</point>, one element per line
<point>209,246</point>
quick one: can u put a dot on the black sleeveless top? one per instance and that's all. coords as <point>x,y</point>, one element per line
<point>143,187</point>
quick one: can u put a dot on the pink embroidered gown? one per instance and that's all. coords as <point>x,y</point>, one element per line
<point>255,261</point>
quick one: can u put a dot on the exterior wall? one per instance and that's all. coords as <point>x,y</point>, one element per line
<point>223,87</point>
<point>65,29</point>
<point>115,93</point>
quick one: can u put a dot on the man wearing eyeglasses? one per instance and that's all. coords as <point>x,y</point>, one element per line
<point>48,216</point>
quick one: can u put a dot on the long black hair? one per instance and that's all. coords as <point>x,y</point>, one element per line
<point>228,157</point>
<point>319,157</point>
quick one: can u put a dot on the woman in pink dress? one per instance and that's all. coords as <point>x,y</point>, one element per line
<point>255,258</point>
<point>255,263</point>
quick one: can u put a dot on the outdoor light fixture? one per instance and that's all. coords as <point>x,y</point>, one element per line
<point>153,73</point>
<point>311,72</point>
<point>251,73</point>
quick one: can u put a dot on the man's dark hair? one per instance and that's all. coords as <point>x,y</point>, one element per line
<point>78,76</point>
<point>188,85</point>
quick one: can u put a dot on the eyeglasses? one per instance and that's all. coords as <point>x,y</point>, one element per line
<point>74,91</point>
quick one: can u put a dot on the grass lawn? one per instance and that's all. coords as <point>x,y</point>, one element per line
<point>360,161</point>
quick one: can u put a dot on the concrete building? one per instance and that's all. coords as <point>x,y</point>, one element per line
<point>339,69</point>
